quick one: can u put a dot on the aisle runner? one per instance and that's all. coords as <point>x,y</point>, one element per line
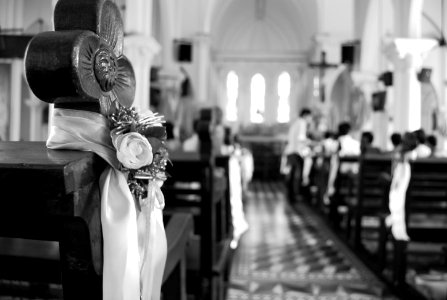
<point>289,256</point>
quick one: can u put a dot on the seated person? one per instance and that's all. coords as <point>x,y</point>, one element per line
<point>172,143</point>
<point>432,143</point>
<point>366,146</point>
<point>396,139</point>
<point>348,146</point>
<point>422,150</point>
<point>191,144</point>
<point>330,144</point>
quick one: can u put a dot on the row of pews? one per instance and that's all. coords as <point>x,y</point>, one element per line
<point>50,228</point>
<point>359,207</point>
<point>198,183</point>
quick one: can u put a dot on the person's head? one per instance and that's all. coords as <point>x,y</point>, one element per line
<point>329,135</point>
<point>367,138</point>
<point>306,114</point>
<point>432,141</point>
<point>420,136</point>
<point>344,128</point>
<point>396,139</point>
<point>409,143</point>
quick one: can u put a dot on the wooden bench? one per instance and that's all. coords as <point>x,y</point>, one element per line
<point>360,195</point>
<point>372,188</point>
<point>345,187</point>
<point>193,187</point>
<point>426,214</point>
<point>53,195</point>
<point>198,186</point>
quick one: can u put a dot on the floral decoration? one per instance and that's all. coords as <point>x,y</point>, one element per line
<point>140,145</point>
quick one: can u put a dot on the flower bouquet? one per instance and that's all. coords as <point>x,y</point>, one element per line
<point>140,146</point>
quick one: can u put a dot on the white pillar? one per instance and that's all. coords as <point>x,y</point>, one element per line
<point>408,55</point>
<point>140,49</point>
<point>202,43</point>
<point>138,17</point>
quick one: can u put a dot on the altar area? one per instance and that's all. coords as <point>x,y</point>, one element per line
<point>267,151</point>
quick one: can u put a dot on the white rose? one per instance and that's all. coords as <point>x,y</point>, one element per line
<point>133,150</point>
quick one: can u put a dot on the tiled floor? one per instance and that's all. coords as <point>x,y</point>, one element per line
<point>289,254</point>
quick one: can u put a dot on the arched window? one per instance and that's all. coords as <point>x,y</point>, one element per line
<point>257,104</point>
<point>283,113</point>
<point>232,94</point>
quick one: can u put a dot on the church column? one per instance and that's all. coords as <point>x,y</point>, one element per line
<point>408,55</point>
<point>140,47</point>
<point>202,43</point>
<point>379,120</point>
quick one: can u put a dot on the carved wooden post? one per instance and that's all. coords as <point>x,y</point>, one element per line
<point>79,66</point>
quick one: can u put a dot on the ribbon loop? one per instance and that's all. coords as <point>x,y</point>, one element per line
<point>134,242</point>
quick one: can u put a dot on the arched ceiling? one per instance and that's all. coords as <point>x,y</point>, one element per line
<point>263,26</point>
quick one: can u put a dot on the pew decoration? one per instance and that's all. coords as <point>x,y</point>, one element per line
<point>140,144</point>
<point>399,186</point>
<point>397,196</point>
<point>81,68</point>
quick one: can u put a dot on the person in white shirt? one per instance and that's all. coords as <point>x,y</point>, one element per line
<point>348,146</point>
<point>192,143</point>
<point>297,153</point>
<point>422,150</point>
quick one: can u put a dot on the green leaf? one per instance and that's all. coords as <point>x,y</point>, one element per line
<point>155,143</point>
<point>158,132</point>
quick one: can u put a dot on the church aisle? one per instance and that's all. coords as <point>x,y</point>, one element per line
<point>289,255</point>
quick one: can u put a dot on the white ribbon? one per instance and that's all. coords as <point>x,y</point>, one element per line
<point>134,242</point>
<point>397,196</point>
<point>240,224</point>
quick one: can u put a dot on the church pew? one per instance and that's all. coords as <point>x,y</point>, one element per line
<point>179,228</point>
<point>194,186</point>
<point>345,191</point>
<point>360,195</point>
<point>223,162</point>
<point>56,198</point>
<point>426,215</point>
<point>197,185</point>
<point>50,231</point>
<point>372,192</point>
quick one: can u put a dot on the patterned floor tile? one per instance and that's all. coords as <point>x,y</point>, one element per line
<point>289,254</point>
